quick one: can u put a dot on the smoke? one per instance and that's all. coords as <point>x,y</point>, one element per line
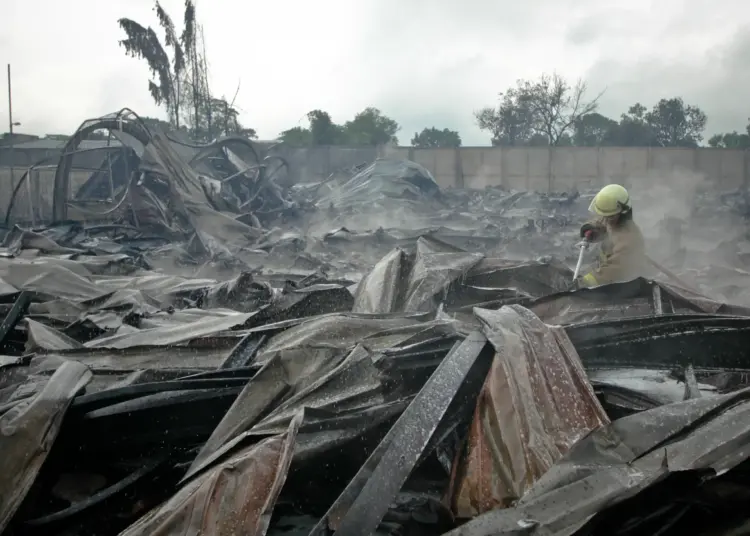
<point>691,229</point>
<point>484,178</point>
<point>402,214</point>
<point>680,212</point>
<point>688,200</point>
<point>659,197</point>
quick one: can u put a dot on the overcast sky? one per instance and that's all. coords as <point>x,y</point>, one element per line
<point>422,62</point>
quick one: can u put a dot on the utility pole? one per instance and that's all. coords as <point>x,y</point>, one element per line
<point>10,130</point>
<point>226,118</point>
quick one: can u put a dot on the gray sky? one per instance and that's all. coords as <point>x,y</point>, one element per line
<point>422,62</point>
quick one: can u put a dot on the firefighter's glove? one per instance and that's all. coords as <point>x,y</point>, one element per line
<point>590,232</point>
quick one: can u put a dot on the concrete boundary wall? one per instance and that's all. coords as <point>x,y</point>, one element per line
<point>545,169</point>
<point>558,169</point>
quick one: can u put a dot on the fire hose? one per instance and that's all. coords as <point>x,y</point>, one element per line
<point>584,244</point>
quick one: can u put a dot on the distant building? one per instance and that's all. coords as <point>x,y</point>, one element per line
<point>5,139</point>
<point>32,151</point>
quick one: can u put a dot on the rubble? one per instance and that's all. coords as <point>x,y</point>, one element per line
<point>204,356</point>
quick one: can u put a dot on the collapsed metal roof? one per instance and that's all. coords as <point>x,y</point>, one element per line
<point>206,358</point>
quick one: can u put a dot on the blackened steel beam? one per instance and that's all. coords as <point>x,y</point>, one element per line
<point>14,315</point>
<point>366,499</point>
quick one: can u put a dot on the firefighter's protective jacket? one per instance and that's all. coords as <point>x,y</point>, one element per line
<point>622,256</point>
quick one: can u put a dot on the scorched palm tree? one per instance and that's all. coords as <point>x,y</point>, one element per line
<point>169,74</point>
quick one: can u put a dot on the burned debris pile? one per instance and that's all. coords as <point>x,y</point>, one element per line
<point>198,364</point>
<point>446,391</point>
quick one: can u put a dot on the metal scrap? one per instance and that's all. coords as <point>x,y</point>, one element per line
<point>196,342</point>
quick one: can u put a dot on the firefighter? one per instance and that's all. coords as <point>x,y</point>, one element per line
<point>623,252</point>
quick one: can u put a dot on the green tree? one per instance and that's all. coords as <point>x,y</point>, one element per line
<point>296,137</point>
<point>730,140</point>
<point>323,131</point>
<point>371,127</point>
<point>595,130</point>
<point>675,124</point>
<point>511,123</point>
<point>432,137</point>
<point>220,118</point>
<point>634,129</point>
<point>547,108</point>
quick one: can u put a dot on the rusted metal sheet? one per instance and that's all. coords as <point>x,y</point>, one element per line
<point>535,404</point>
<point>236,496</point>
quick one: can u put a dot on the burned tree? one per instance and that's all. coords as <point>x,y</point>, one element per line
<point>180,68</point>
<point>142,42</point>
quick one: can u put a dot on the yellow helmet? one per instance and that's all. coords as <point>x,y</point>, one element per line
<point>611,200</point>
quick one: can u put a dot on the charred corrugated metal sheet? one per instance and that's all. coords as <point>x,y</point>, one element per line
<point>236,496</point>
<point>535,405</point>
<point>28,428</point>
<point>224,352</point>
<point>365,501</point>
